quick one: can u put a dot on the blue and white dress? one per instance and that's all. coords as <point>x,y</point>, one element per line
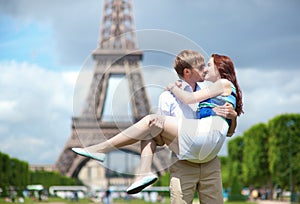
<point>200,140</point>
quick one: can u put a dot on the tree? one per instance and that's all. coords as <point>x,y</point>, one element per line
<point>269,153</point>
<point>14,174</point>
<point>225,171</point>
<point>235,154</point>
<point>4,172</point>
<point>256,161</point>
<point>48,178</point>
<point>284,153</point>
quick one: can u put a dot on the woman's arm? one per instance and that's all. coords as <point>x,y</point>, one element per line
<point>232,127</point>
<point>220,87</point>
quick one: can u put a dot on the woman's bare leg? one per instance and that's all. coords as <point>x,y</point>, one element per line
<point>147,128</point>
<point>170,133</point>
<point>148,148</point>
<point>145,177</point>
<point>142,130</point>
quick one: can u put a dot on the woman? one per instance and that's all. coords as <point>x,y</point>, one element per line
<point>190,139</point>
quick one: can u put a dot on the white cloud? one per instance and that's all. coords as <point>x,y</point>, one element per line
<point>36,110</point>
<point>7,110</point>
<point>267,93</point>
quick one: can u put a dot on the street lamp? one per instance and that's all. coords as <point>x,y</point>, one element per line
<point>290,124</point>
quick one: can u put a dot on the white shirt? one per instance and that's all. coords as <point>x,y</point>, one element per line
<point>169,105</point>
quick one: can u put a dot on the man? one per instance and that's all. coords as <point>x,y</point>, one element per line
<point>187,177</point>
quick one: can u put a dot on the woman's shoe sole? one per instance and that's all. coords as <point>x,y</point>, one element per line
<point>139,188</point>
<point>84,153</point>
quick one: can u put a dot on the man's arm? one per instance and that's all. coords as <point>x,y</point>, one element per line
<point>165,107</point>
<point>228,112</point>
<point>166,104</point>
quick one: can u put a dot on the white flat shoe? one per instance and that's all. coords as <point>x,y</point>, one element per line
<point>97,156</point>
<point>139,185</point>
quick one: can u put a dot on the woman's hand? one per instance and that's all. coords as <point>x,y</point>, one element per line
<point>170,86</point>
<point>177,83</point>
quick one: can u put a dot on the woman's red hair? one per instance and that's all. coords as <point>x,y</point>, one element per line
<point>226,69</point>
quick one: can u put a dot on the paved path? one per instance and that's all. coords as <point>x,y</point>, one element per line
<point>272,202</point>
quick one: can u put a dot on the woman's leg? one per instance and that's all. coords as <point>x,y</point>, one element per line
<point>149,127</point>
<point>170,133</point>
<point>148,148</point>
<point>144,177</point>
<point>142,130</point>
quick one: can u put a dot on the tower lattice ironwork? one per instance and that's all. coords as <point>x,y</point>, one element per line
<point>116,54</point>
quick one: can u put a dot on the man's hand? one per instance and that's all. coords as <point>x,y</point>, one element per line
<point>226,111</point>
<point>156,125</point>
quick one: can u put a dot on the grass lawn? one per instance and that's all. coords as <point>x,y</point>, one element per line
<point>86,201</point>
<point>167,201</point>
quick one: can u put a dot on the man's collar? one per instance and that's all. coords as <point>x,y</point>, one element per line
<point>187,87</point>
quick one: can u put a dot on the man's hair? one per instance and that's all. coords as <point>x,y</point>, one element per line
<point>187,59</point>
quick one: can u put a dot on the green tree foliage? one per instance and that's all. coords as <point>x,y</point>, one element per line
<point>225,171</point>
<point>236,188</point>
<point>5,170</point>
<point>235,158</point>
<point>265,155</point>
<point>284,149</point>
<point>256,163</point>
<point>13,173</point>
<point>47,179</point>
<point>163,180</point>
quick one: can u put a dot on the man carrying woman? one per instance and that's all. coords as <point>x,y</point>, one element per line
<point>195,140</point>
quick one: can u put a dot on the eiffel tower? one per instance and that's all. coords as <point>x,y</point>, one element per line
<point>116,54</point>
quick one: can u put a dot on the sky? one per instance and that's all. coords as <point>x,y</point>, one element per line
<point>46,45</point>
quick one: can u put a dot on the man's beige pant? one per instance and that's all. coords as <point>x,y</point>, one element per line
<point>188,177</point>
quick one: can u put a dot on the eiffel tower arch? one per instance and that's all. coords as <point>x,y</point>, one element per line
<point>116,55</point>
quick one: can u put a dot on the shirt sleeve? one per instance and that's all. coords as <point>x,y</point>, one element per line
<point>166,104</point>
